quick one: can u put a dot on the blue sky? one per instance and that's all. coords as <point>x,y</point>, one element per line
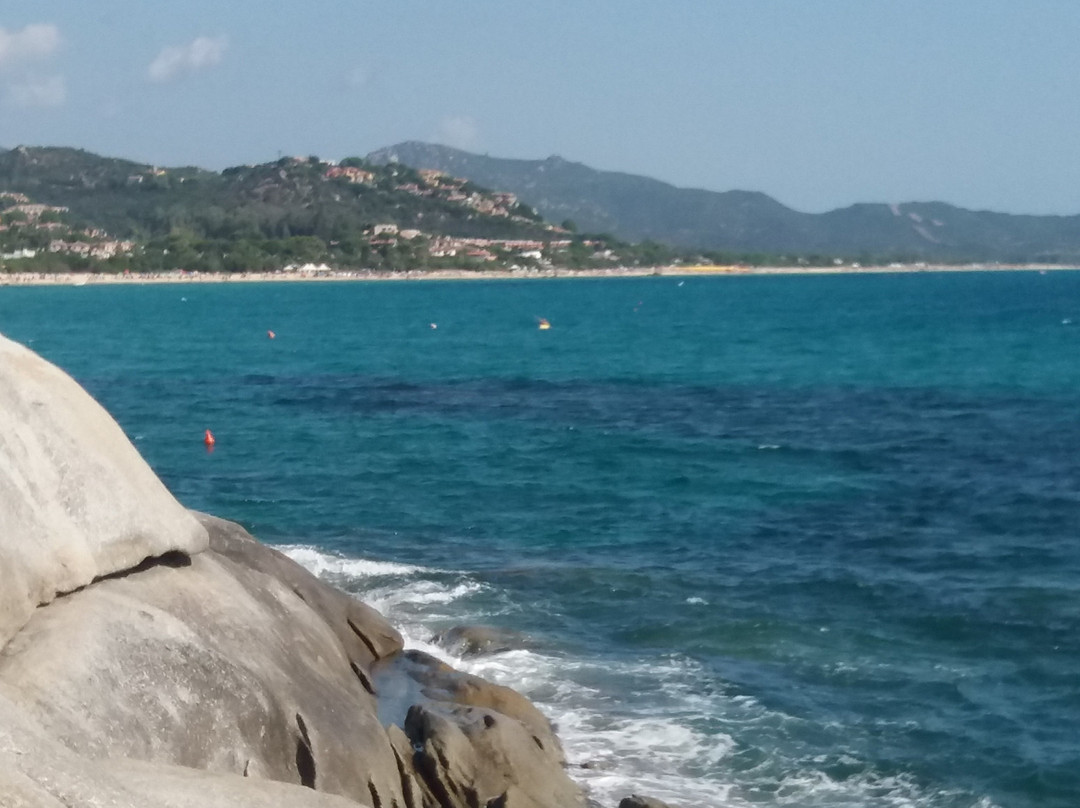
<point>819,103</point>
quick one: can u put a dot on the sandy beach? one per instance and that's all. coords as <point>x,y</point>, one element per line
<point>334,275</point>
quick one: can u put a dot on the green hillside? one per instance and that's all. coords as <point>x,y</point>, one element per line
<point>70,209</point>
<point>295,210</point>
<point>638,208</point>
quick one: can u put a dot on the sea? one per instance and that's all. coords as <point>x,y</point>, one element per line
<point>755,541</point>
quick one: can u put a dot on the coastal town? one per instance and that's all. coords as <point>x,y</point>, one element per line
<point>494,229</point>
<point>33,222</point>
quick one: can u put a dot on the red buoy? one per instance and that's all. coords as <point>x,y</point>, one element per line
<point>208,439</point>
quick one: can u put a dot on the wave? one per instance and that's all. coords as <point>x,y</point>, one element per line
<point>321,563</point>
<point>663,727</point>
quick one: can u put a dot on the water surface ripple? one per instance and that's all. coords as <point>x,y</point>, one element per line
<point>773,541</point>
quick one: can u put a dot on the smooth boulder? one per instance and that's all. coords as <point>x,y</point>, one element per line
<point>77,502</point>
<point>215,664</point>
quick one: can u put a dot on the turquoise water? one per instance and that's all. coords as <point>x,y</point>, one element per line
<point>806,541</point>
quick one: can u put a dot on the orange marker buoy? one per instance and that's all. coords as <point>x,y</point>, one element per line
<point>208,439</point>
<point>271,334</point>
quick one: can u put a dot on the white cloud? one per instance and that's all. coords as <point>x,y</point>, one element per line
<point>459,131</point>
<point>32,43</point>
<point>22,79</point>
<point>35,91</point>
<point>176,60</point>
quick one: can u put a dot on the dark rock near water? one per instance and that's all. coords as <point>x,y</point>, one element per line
<point>150,656</point>
<point>469,641</point>
<point>472,756</point>
<point>637,801</point>
<point>472,742</point>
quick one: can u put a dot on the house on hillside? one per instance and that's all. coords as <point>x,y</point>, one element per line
<point>34,212</point>
<point>350,173</point>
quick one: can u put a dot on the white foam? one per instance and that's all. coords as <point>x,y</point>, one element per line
<point>648,726</point>
<point>612,753</point>
<point>815,789</point>
<point>321,563</point>
<point>407,595</point>
<point>416,599</point>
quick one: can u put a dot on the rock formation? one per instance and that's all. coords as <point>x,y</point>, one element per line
<point>152,656</point>
<point>77,502</point>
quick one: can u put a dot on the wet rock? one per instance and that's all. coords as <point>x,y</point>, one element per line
<point>440,683</point>
<point>472,742</point>
<point>638,801</point>
<point>469,756</point>
<point>466,641</point>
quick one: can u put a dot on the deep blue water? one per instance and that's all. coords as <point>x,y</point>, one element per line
<point>808,541</point>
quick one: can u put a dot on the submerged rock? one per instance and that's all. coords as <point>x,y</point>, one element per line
<point>469,641</point>
<point>637,801</point>
<point>151,656</point>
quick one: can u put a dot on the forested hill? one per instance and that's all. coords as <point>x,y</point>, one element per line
<point>249,217</point>
<point>637,208</point>
<point>293,196</point>
<point>423,206</point>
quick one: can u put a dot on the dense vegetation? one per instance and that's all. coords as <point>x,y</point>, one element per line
<point>739,222</point>
<point>70,209</point>
<point>244,218</point>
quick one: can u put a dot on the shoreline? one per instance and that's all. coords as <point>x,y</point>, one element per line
<point>316,276</point>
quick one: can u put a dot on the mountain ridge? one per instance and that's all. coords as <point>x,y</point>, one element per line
<point>66,207</point>
<point>637,208</point>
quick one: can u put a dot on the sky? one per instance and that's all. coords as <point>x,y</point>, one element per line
<point>818,103</point>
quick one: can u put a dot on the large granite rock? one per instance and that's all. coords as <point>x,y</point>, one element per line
<point>37,771</point>
<point>216,665</point>
<point>76,500</point>
<point>154,657</point>
<point>239,662</point>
